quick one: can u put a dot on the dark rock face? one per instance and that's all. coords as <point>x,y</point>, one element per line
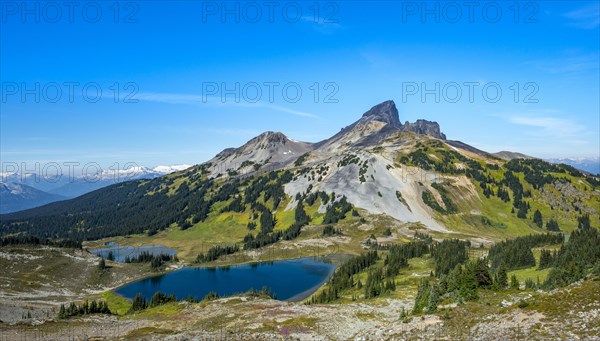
<point>274,137</point>
<point>425,127</point>
<point>267,139</point>
<point>385,112</point>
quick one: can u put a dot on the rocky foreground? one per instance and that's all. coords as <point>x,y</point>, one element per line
<point>569,313</point>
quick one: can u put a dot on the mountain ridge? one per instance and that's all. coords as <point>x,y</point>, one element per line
<point>17,197</point>
<point>375,125</point>
<point>413,177</point>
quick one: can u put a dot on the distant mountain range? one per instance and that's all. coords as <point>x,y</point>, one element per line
<point>590,165</point>
<point>15,197</point>
<point>24,191</point>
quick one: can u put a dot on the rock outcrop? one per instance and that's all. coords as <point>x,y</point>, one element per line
<point>425,127</point>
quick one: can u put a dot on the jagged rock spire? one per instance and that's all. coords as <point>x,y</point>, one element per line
<point>385,112</point>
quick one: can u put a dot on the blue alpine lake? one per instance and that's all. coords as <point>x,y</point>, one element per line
<point>121,252</point>
<point>292,280</point>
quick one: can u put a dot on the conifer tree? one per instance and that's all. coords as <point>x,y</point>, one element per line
<point>552,225</point>
<point>432,301</point>
<point>537,218</point>
<point>514,282</point>
<point>502,278</point>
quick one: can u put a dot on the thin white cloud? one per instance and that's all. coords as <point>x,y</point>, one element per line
<point>569,64</point>
<point>587,17</point>
<point>217,101</point>
<point>169,98</point>
<point>323,25</point>
<point>549,126</point>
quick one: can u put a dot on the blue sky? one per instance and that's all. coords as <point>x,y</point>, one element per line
<point>174,61</point>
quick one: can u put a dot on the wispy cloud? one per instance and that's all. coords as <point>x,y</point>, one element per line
<point>568,64</point>
<point>217,101</point>
<point>323,25</point>
<point>587,17</point>
<point>549,127</point>
<point>170,98</point>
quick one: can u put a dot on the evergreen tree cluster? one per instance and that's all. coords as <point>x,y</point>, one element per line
<point>450,207</point>
<point>513,182</point>
<point>156,261</point>
<point>516,253</point>
<point>300,160</point>
<point>343,277</point>
<point>399,254</point>
<point>267,222</point>
<point>377,284</point>
<point>139,303</point>
<point>261,239</point>
<point>159,298</point>
<point>29,240</point>
<point>337,211</point>
<point>264,238</point>
<point>424,237</point>
<point>537,171</point>
<point>583,222</point>
<point>462,282</point>
<point>217,251</point>
<point>429,200</point>
<point>569,264</point>
<point>329,231</point>
<point>234,206</point>
<point>427,298</point>
<point>312,198</point>
<point>270,186</point>
<point>552,226</point>
<point>537,219</point>
<point>547,258</point>
<point>575,258</point>
<point>503,194</point>
<point>301,219</point>
<point>448,253</point>
<point>86,308</point>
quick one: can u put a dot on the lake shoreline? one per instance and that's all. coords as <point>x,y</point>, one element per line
<point>152,283</point>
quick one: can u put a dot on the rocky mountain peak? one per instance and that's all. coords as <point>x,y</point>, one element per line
<point>385,112</point>
<point>268,139</point>
<point>425,127</point>
<point>273,137</point>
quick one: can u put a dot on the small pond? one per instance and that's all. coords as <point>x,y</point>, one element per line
<point>122,252</point>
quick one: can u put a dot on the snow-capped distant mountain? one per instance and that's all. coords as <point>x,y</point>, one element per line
<point>16,197</point>
<point>170,169</point>
<point>55,187</point>
<point>92,182</point>
<point>590,165</point>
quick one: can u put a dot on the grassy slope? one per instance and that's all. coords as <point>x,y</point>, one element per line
<point>219,228</point>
